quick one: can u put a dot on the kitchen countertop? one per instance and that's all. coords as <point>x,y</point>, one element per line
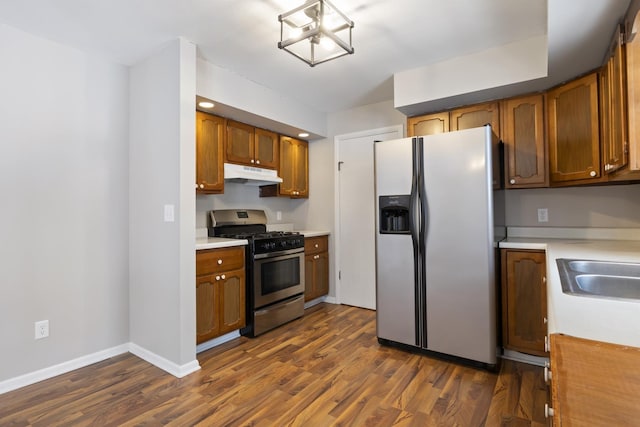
<point>218,242</point>
<point>603,319</point>
<point>311,233</point>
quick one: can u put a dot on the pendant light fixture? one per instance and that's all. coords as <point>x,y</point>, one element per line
<point>316,32</point>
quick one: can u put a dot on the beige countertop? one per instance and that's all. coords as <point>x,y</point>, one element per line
<point>603,319</point>
<point>312,233</point>
<point>218,242</point>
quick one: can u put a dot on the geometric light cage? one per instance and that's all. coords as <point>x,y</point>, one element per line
<point>316,32</point>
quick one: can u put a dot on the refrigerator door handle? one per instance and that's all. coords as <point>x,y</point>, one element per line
<point>416,224</point>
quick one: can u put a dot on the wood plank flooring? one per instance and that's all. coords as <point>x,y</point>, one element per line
<point>326,369</point>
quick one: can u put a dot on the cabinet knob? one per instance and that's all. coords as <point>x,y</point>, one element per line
<point>512,181</point>
<point>548,411</point>
<point>544,320</point>
<point>316,257</point>
<point>546,344</point>
<point>219,262</point>
<point>217,277</point>
<point>253,161</point>
<point>547,375</point>
<point>201,185</point>
<point>316,245</point>
<point>593,173</point>
<point>223,277</point>
<point>257,162</point>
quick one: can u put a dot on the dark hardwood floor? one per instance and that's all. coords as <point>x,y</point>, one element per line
<point>326,369</point>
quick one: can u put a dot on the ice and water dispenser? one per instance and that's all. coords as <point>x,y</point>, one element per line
<point>394,214</point>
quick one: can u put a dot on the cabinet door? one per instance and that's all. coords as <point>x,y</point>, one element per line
<point>475,116</point>
<point>240,143</point>
<point>574,139</point>
<point>301,169</point>
<point>207,301</point>
<point>231,303</point>
<point>322,273</point>
<point>428,125</point>
<point>266,149</point>
<point>632,56</point>
<point>524,301</point>
<point>524,142</point>
<point>316,275</point>
<point>209,153</point>
<point>294,167</point>
<point>309,278</point>
<point>614,111</point>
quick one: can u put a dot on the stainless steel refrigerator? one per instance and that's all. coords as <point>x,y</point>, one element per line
<point>435,243</point>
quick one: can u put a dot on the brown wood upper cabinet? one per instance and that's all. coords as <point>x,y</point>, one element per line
<point>294,168</point>
<point>613,107</point>
<point>428,125</point>
<point>574,132</point>
<point>475,116</point>
<point>523,134</point>
<point>209,153</point>
<point>524,301</point>
<point>251,146</point>
<point>632,56</point>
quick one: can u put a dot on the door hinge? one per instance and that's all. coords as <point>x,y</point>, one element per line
<point>340,166</point>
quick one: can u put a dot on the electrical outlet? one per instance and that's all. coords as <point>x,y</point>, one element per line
<point>543,215</point>
<point>42,329</point>
<point>169,213</point>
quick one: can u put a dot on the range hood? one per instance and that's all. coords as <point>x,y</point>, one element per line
<point>250,175</point>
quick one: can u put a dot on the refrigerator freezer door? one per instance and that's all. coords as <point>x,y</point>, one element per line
<point>395,294</point>
<point>459,259</point>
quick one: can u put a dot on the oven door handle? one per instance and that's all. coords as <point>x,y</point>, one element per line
<point>279,253</point>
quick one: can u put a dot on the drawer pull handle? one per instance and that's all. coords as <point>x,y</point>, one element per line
<point>219,262</point>
<point>317,246</point>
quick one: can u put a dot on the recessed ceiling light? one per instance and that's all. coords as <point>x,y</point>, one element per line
<point>205,104</point>
<point>303,134</point>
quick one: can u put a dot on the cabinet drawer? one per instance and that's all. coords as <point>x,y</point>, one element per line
<point>314,245</point>
<point>216,260</point>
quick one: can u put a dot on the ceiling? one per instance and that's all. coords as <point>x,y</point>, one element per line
<point>389,36</point>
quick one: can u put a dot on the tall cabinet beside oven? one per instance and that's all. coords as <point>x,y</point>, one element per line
<point>316,267</point>
<point>220,292</point>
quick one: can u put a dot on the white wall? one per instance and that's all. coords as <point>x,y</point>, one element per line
<point>615,206</point>
<point>162,172</point>
<point>63,220</point>
<point>321,207</point>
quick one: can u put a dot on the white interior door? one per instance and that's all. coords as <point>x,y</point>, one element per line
<point>356,216</point>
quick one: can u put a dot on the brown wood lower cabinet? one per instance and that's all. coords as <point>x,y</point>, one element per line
<point>220,292</point>
<point>594,383</point>
<point>524,301</point>
<point>316,267</point>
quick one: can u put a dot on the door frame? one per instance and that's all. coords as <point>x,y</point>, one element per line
<point>337,140</point>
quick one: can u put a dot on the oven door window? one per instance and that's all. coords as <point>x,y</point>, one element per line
<point>277,278</point>
<point>279,275</point>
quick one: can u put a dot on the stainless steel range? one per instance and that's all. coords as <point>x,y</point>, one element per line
<point>275,268</point>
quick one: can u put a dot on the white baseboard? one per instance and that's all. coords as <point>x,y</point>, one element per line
<point>326,298</point>
<point>166,365</point>
<point>217,341</point>
<point>524,358</point>
<point>61,368</point>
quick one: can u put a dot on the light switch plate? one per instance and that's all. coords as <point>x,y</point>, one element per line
<point>169,213</point>
<point>543,215</point>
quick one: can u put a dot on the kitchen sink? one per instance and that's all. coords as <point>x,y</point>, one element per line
<point>603,279</point>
